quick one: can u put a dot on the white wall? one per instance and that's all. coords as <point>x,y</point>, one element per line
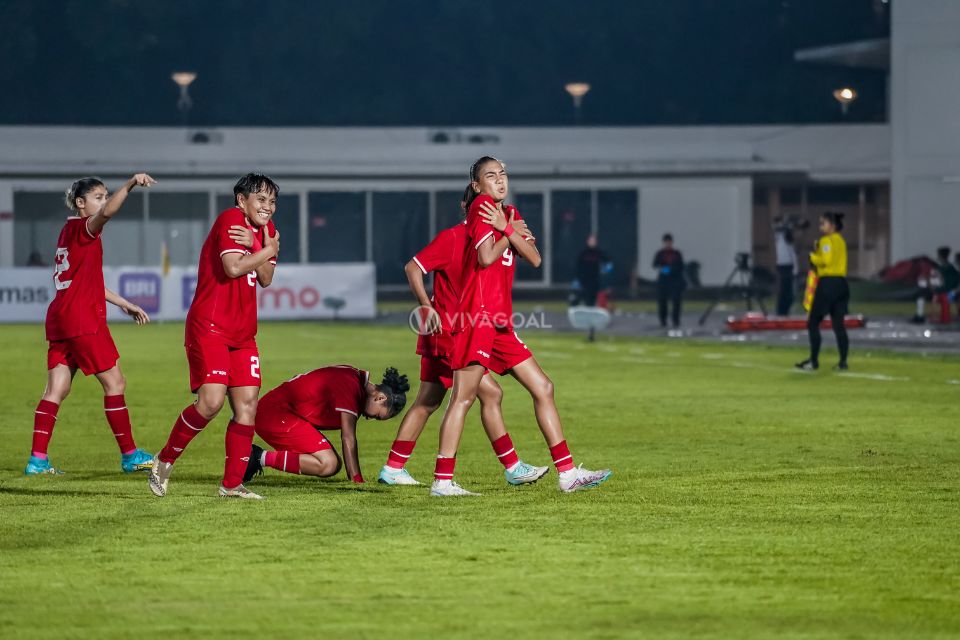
<point>710,220</point>
<point>925,118</point>
<point>6,224</point>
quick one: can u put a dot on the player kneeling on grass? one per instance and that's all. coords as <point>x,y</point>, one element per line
<point>76,324</point>
<point>290,417</point>
<point>239,253</point>
<point>444,257</point>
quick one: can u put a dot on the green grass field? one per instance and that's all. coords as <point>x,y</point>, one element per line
<point>748,501</point>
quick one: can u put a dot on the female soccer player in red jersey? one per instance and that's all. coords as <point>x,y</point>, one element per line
<point>76,323</point>
<point>444,256</point>
<point>484,337</point>
<point>290,418</point>
<point>239,253</point>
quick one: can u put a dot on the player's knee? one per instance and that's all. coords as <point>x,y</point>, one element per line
<point>491,395</point>
<point>209,404</point>
<point>115,386</point>
<point>329,464</point>
<point>544,389</point>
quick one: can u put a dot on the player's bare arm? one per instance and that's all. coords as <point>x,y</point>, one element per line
<point>134,311</point>
<point>489,251</point>
<point>348,443</point>
<point>522,240</point>
<point>236,265</point>
<point>432,322</point>
<point>96,222</point>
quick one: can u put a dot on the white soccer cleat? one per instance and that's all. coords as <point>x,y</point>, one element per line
<point>578,479</point>
<point>443,488</point>
<point>391,476</point>
<point>239,491</point>
<point>159,477</point>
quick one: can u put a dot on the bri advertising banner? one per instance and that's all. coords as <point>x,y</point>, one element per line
<point>298,292</point>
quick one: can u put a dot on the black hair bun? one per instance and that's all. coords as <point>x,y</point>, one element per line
<point>397,383</point>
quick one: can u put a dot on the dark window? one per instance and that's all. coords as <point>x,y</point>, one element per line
<point>182,220</point>
<point>571,226</point>
<point>791,195</point>
<point>530,206</point>
<point>833,194</point>
<point>37,220</point>
<point>617,233</point>
<point>759,195</point>
<point>401,227</point>
<point>448,209</point>
<point>336,226</point>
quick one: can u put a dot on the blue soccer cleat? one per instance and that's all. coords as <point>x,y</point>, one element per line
<point>523,473</point>
<point>136,460</point>
<point>40,467</point>
<point>389,475</point>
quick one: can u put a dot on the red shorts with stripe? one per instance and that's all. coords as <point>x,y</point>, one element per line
<point>499,350</point>
<point>213,362</point>
<point>285,431</point>
<point>91,353</point>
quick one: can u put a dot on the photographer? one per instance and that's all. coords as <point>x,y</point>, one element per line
<point>670,281</point>
<point>832,296</point>
<point>786,263</point>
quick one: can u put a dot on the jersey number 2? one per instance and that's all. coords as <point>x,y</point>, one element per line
<point>62,265</point>
<point>255,366</point>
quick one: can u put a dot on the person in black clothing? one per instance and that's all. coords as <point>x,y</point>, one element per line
<point>670,281</point>
<point>589,266</point>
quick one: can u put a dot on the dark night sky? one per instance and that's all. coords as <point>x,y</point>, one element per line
<point>432,62</point>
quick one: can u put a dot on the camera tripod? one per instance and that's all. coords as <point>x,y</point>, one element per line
<point>744,289</point>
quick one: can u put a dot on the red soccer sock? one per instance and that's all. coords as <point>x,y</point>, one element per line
<point>287,461</point>
<point>115,408</point>
<point>444,468</point>
<point>238,442</point>
<point>189,423</point>
<point>503,447</point>
<point>44,419</point>
<point>562,459</point>
<point>400,452</point>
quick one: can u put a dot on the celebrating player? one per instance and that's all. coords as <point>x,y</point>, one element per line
<point>240,252</point>
<point>484,337</point>
<point>444,256</point>
<point>290,417</point>
<point>76,324</point>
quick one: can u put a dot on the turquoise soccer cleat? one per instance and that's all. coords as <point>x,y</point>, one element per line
<point>136,460</point>
<point>40,467</point>
<point>524,473</point>
<point>391,476</point>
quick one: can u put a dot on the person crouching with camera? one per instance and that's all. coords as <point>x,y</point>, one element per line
<point>832,296</point>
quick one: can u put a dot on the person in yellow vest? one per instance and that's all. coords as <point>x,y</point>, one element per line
<point>832,296</point>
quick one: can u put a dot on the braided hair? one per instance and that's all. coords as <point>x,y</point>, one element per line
<point>395,387</point>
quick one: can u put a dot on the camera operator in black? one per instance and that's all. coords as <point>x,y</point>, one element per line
<point>786,264</point>
<point>670,281</point>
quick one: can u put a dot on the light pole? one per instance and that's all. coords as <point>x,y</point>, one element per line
<point>184,79</point>
<point>845,96</point>
<point>577,90</point>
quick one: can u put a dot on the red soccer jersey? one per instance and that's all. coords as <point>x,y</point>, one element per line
<point>319,397</point>
<point>485,292</point>
<point>443,256</point>
<point>225,308</point>
<point>80,305</point>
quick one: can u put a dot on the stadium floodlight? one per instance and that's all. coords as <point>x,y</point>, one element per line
<point>184,79</point>
<point>845,95</point>
<point>577,90</point>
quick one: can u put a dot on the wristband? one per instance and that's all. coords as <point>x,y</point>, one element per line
<point>358,478</point>
<point>508,231</point>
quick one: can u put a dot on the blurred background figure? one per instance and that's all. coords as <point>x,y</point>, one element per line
<point>949,282</point>
<point>670,281</point>
<point>786,265</point>
<point>591,266</point>
<point>35,259</point>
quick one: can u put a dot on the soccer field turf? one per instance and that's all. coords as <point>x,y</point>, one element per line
<point>748,500</point>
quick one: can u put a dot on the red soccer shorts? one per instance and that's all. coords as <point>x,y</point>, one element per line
<point>436,369</point>
<point>499,350</point>
<point>213,362</point>
<point>285,431</point>
<point>91,353</point>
